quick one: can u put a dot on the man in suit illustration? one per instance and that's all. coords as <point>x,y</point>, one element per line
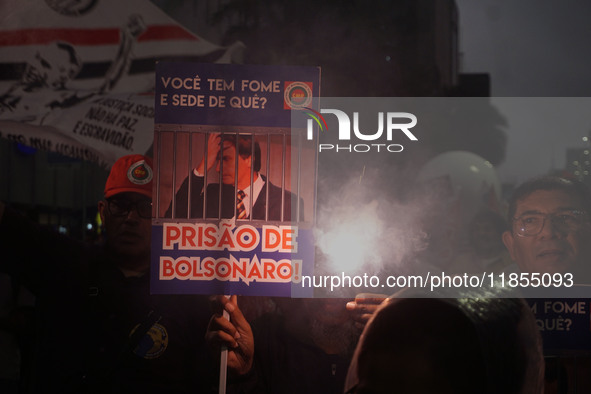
<point>236,158</point>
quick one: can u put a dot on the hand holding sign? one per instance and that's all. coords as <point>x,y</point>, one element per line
<point>364,307</point>
<point>235,334</point>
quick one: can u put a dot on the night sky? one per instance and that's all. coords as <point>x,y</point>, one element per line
<point>532,48</point>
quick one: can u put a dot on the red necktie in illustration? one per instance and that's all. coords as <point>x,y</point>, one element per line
<point>240,209</point>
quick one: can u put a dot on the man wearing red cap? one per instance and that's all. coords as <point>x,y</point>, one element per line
<point>126,213</point>
<point>101,330</point>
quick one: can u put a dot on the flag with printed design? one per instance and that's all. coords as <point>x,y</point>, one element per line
<point>76,77</point>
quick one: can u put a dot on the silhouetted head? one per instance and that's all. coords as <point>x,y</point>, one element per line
<point>461,345</point>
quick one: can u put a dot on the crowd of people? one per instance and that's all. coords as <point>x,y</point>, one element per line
<point>100,330</point>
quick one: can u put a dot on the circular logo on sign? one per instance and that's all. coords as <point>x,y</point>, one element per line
<point>72,8</point>
<point>139,173</point>
<point>153,344</point>
<point>298,95</point>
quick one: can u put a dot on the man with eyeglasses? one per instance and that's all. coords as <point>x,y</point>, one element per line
<point>100,330</point>
<point>550,227</point>
<point>551,234</point>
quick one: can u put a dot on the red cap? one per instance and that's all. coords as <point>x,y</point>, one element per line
<point>131,173</point>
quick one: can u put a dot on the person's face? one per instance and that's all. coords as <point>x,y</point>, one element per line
<point>556,248</point>
<point>51,67</point>
<point>128,234</point>
<point>228,166</point>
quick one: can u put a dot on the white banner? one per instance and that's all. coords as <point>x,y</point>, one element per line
<point>76,77</point>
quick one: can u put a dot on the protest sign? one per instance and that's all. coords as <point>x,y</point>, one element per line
<point>220,131</point>
<point>564,323</point>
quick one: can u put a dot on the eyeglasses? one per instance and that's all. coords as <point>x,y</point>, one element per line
<point>119,207</point>
<point>531,224</point>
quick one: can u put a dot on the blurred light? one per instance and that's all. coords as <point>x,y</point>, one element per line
<point>585,152</point>
<point>89,226</point>
<point>62,230</point>
<point>585,139</point>
<point>99,223</point>
<point>353,239</point>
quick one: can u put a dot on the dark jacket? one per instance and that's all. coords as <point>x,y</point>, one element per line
<point>284,364</point>
<point>98,331</point>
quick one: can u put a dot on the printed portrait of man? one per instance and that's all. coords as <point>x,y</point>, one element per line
<point>231,167</point>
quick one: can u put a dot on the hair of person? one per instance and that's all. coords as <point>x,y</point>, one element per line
<point>549,183</point>
<point>482,341</point>
<point>245,147</point>
<point>425,338</point>
<point>510,342</point>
